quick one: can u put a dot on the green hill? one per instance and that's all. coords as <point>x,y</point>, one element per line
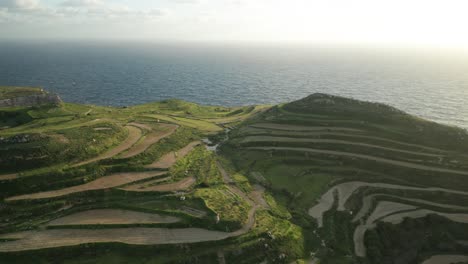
<point>324,179</point>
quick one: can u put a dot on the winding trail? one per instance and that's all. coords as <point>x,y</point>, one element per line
<point>367,157</point>
<point>345,190</point>
<point>250,131</point>
<point>398,218</point>
<point>330,141</point>
<point>303,128</point>
<point>171,158</point>
<point>134,134</point>
<point>367,203</point>
<point>112,217</point>
<point>151,138</point>
<point>104,182</point>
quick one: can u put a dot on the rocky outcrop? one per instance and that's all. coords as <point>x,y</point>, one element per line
<point>31,100</point>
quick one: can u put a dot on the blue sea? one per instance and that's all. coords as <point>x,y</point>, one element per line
<point>429,83</point>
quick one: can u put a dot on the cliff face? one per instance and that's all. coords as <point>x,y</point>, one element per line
<point>31,100</point>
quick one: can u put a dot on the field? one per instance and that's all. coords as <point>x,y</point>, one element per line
<point>342,167</point>
<point>322,180</point>
<point>77,175</point>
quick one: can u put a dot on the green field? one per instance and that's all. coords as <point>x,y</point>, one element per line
<point>324,179</point>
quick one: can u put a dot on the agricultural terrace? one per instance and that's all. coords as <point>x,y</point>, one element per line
<point>352,172</point>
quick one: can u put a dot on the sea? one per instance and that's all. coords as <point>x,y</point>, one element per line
<point>430,83</point>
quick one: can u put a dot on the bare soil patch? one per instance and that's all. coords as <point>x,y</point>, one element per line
<point>171,158</point>
<point>105,182</point>
<point>345,190</point>
<point>7,177</point>
<point>134,134</point>
<point>169,187</point>
<point>135,236</point>
<point>112,217</point>
<point>151,138</point>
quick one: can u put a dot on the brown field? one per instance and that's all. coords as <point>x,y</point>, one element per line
<point>134,134</point>
<point>169,159</point>
<point>169,187</point>
<point>112,217</point>
<point>7,177</point>
<point>105,182</point>
<point>151,138</point>
<point>136,236</point>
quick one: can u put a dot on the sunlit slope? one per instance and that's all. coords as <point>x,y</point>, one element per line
<point>328,158</point>
<point>132,183</point>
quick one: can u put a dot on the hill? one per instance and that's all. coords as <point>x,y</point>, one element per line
<point>367,183</point>
<point>324,179</point>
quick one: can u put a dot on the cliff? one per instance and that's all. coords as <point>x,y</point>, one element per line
<point>23,97</point>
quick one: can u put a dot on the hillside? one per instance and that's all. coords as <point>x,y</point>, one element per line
<point>367,183</point>
<point>323,179</point>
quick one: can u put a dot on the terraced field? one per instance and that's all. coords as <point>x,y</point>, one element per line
<point>323,179</point>
<point>111,217</point>
<point>138,178</point>
<point>105,182</point>
<point>351,168</point>
<point>134,134</point>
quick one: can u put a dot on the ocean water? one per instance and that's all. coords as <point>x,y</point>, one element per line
<point>430,84</point>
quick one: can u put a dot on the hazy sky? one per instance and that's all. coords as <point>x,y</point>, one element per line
<point>415,22</point>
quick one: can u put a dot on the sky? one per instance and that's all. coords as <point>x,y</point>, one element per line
<point>441,23</point>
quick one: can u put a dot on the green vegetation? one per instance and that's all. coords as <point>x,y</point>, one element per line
<point>350,141</point>
<point>294,182</point>
<point>7,92</point>
<point>199,163</point>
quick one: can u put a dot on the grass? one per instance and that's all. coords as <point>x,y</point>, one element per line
<point>297,179</point>
<point>231,208</point>
<point>200,163</point>
<point>7,92</point>
<point>294,180</point>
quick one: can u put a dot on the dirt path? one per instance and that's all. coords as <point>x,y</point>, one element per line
<point>7,177</point>
<point>151,138</point>
<point>259,131</point>
<point>367,203</point>
<point>254,199</point>
<point>446,259</point>
<point>330,141</point>
<point>105,182</point>
<point>398,218</point>
<point>362,156</point>
<point>112,217</point>
<point>169,187</point>
<point>170,159</point>
<point>134,134</point>
<point>345,190</point>
<point>303,128</point>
